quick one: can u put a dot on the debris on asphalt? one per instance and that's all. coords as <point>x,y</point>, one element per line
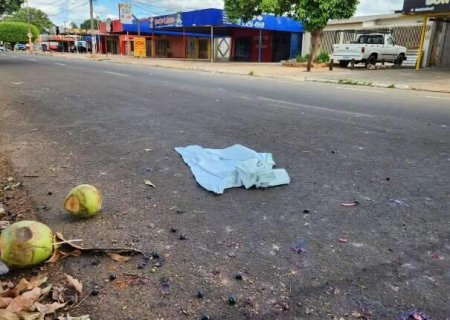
<point>343,240</point>
<point>400,202</point>
<point>306,211</point>
<point>148,150</point>
<point>150,184</point>
<point>83,201</point>
<point>2,209</point>
<point>26,244</point>
<point>351,204</point>
<point>232,300</point>
<point>239,277</point>
<point>219,169</point>
<point>17,83</point>
<point>182,237</point>
<point>414,315</point>
<point>205,317</point>
<point>31,299</point>
<point>200,294</point>
<point>299,247</point>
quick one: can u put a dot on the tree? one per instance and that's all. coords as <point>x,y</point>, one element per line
<point>37,17</point>
<point>8,6</point>
<point>314,14</point>
<point>73,25</point>
<point>14,32</point>
<point>86,25</point>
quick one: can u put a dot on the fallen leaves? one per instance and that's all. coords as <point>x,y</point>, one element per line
<point>74,283</point>
<point>8,315</point>
<point>24,301</point>
<point>118,257</point>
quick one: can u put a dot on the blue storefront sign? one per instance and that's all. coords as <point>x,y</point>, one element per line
<point>168,21</point>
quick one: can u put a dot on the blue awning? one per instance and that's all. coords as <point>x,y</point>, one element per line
<point>219,18</point>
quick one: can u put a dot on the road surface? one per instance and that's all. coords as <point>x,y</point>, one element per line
<point>73,122</point>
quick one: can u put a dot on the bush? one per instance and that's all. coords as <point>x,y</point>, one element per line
<point>302,59</point>
<point>323,57</point>
<point>16,32</point>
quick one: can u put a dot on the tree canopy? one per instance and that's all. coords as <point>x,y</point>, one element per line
<point>16,32</point>
<point>314,14</point>
<point>86,25</point>
<point>37,17</point>
<point>8,6</point>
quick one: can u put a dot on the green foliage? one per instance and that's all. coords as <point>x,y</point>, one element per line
<point>86,25</point>
<point>73,25</point>
<point>16,32</point>
<point>251,73</point>
<point>302,59</point>
<point>37,17</point>
<point>323,57</point>
<point>8,6</point>
<point>313,13</point>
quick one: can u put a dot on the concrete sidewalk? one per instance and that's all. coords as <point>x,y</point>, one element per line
<point>434,80</point>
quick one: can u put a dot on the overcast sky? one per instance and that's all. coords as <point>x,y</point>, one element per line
<point>61,11</point>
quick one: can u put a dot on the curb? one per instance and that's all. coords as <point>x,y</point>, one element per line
<point>398,86</point>
<point>362,83</point>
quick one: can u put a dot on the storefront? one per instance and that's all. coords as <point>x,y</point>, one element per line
<point>209,35</point>
<point>437,11</point>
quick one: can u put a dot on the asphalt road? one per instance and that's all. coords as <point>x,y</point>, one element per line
<point>72,122</point>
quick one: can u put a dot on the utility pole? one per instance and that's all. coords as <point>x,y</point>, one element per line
<point>93,36</point>
<point>30,35</point>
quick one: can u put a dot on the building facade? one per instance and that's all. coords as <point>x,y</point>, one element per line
<point>207,35</point>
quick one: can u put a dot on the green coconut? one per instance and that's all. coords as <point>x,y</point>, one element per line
<point>84,201</point>
<point>26,244</point>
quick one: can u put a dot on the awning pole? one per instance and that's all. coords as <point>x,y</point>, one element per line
<point>260,45</point>
<point>422,43</point>
<point>212,44</point>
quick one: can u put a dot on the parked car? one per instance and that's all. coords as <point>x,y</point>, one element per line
<point>20,47</point>
<point>369,49</point>
<point>2,48</point>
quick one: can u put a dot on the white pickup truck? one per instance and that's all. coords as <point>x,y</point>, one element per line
<point>369,49</point>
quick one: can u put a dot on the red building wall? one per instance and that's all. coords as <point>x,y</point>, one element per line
<point>267,43</point>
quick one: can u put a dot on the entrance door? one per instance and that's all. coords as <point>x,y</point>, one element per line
<point>445,61</point>
<point>203,49</point>
<point>243,49</point>
<point>281,46</point>
<point>148,44</point>
<point>162,48</point>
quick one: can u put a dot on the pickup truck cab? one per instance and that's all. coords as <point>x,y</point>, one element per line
<point>369,49</point>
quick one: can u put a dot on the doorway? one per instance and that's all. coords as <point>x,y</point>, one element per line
<point>243,49</point>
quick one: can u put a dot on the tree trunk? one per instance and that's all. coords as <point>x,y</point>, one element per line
<point>316,41</point>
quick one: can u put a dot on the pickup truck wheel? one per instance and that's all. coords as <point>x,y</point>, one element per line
<point>372,61</point>
<point>399,61</point>
<point>344,63</point>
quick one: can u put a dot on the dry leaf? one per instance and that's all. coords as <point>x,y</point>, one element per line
<point>49,308</point>
<point>76,284</point>
<point>46,291</point>
<point>32,316</point>
<point>25,285</point>
<point>4,302</point>
<point>148,150</point>
<point>118,257</point>
<point>25,301</point>
<point>149,183</point>
<point>58,294</point>
<point>353,204</point>
<point>8,315</point>
<point>59,255</point>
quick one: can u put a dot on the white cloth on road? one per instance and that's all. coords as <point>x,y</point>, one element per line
<point>236,166</point>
